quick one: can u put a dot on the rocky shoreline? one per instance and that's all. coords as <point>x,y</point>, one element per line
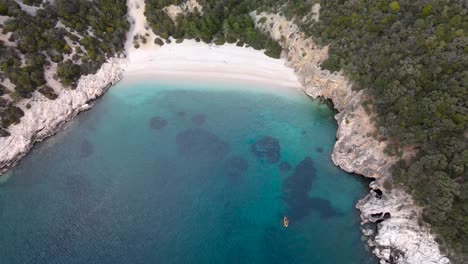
<point>45,117</point>
<point>400,236</point>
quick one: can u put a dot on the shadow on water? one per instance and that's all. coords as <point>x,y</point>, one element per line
<point>199,119</point>
<point>267,149</point>
<point>296,193</point>
<point>236,169</point>
<point>285,166</point>
<point>201,144</point>
<point>157,123</point>
<point>181,114</point>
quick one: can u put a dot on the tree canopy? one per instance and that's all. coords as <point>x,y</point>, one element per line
<point>412,58</point>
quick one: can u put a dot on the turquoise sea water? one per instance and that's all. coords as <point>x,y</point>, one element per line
<point>176,173</point>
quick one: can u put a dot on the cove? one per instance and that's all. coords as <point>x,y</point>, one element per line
<point>171,172</point>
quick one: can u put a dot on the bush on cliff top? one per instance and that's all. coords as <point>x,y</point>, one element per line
<point>412,57</point>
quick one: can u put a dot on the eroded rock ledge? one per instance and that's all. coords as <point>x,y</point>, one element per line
<point>399,237</point>
<point>45,117</point>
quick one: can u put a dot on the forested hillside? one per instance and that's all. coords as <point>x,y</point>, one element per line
<point>220,22</point>
<point>412,57</point>
<point>78,35</point>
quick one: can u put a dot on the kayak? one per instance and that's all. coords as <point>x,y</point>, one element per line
<point>285,221</point>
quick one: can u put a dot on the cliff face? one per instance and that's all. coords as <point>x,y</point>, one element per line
<point>399,237</point>
<point>45,116</point>
<point>355,151</point>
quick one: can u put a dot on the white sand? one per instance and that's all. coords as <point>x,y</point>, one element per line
<point>201,62</point>
<point>197,61</point>
<point>138,26</point>
<point>190,61</point>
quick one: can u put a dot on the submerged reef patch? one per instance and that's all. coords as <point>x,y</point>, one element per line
<point>199,119</point>
<point>284,166</point>
<point>323,207</point>
<point>236,167</point>
<point>181,113</point>
<point>296,193</point>
<point>201,144</point>
<point>267,149</point>
<point>158,123</point>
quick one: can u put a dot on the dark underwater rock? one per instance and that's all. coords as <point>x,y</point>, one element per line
<point>285,166</point>
<point>199,119</point>
<point>319,149</point>
<point>296,190</point>
<point>202,144</point>
<point>236,167</point>
<point>268,149</point>
<point>323,207</point>
<point>157,123</point>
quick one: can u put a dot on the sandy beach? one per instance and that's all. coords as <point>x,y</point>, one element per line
<point>197,62</point>
<point>187,61</point>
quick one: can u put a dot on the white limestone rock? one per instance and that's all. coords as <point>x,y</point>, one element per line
<point>46,116</point>
<point>399,238</point>
<point>190,6</point>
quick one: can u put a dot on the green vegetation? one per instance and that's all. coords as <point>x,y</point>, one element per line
<point>93,30</point>
<point>48,92</point>
<point>412,57</point>
<point>158,41</point>
<point>221,22</point>
<point>10,114</point>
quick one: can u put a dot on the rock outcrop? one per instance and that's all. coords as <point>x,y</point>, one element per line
<point>190,6</point>
<point>400,238</point>
<point>45,117</point>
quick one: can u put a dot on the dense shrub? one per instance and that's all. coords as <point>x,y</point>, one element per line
<point>412,58</point>
<point>221,22</point>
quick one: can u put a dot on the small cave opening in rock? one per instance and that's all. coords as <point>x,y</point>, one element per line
<point>386,216</point>
<point>379,193</point>
<point>396,255</point>
<point>377,215</point>
<point>329,103</point>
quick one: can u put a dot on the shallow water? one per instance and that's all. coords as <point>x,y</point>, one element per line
<point>166,173</point>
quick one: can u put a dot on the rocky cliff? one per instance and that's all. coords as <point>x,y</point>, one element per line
<point>400,238</point>
<point>44,117</point>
